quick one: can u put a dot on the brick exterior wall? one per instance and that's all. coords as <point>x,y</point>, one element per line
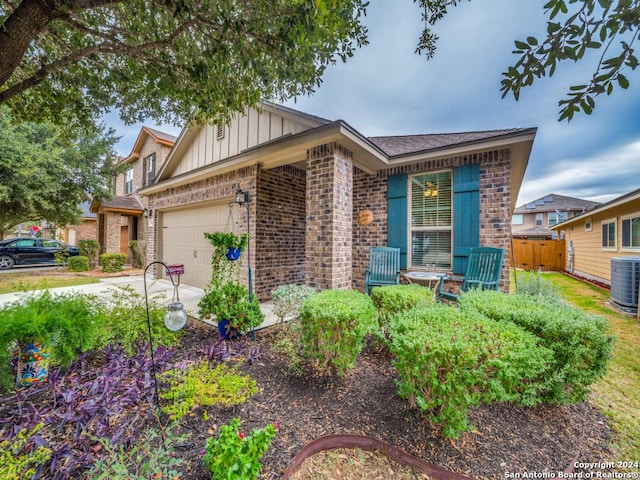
<point>370,193</point>
<point>280,235</point>
<point>87,230</point>
<point>329,215</point>
<point>304,225</point>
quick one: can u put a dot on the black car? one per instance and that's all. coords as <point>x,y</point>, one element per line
<point>32,251</point>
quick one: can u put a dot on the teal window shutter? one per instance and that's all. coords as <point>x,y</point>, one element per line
<point>466,214</point>
<point>397,215</point>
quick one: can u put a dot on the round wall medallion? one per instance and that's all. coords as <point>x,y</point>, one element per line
<point>365,217</point>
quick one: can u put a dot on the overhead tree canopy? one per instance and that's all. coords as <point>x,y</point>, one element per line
<point>69,61</point>
<point>574,28</point>
<point>46,175</point>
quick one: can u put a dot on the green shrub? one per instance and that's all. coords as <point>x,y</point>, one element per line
<point>579,341</point>
<point>234,455</point>
<point>20,457</point>
<point>152,456</point>
<point>89,249</point>
<point>137,253</point>
<point>448,361</point>
<point>67,323</point>
<point>392,299</point>
<point>112,262</point>
<point>532,283</point>
<point>203,386</point>
<point>334,323</point>
<point>124,320</point>
<point>78,264</point>
<point>287,300</point>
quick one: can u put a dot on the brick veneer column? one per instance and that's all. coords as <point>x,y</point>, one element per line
<point>329,212</point>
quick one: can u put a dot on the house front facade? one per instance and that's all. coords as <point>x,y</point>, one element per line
<point>609,231</point>
<point>321,195</point>
<point>122,219</point>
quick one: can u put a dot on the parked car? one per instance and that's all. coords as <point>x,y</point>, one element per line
<point>32,251</point>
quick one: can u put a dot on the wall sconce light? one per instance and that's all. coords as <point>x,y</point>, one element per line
<point>174,319</point>
<point>242,197</point>
<point>430,190</point>
<point>147,212</point>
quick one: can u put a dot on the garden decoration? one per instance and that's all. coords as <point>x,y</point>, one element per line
<point>33,364</point>
<point>174,319</point>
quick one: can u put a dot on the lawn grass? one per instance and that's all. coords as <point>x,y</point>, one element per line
<point>23,282</point>
<point>617,395</point>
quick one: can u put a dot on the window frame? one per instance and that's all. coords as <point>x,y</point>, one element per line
<point>539,219</point>
<point>128,182</point>
<point>411,229</point>
<point>150,168</point>
<point>608,247</point>
<point>630,247</point>
<point>558,216</point>
<point>588,225</point>
<point>513,217</point>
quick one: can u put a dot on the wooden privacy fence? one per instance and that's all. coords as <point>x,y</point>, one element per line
<point>545,255</point>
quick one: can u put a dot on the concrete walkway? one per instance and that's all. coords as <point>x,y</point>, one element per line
<point>189,296</point>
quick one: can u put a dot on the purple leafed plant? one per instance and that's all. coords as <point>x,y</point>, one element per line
<point>104,396</point>
<point>221,350</point>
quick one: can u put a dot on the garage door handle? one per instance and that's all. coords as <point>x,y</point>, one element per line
<point>195,254</point>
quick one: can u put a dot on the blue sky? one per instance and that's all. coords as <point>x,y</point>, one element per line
<point>387,89</point>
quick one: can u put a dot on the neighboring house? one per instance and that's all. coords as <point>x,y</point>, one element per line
<point>122,218</point>
<point>87,229</point>
<point>595,237</point>
<point>535,220</point>
<point>321,195</point>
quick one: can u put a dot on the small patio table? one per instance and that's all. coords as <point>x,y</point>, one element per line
<point>429,279</point>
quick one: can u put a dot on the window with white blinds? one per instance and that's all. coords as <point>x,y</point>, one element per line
<point>431,220</point>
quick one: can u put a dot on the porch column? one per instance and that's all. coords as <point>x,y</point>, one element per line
<point>329,212</point>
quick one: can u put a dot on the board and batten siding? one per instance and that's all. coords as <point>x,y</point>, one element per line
<point>590,259</point>
<point>244,131</point>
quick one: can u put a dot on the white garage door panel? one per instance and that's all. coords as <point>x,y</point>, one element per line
<point>183,240</point>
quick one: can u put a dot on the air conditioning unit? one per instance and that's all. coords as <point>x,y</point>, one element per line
<point>625,280</point>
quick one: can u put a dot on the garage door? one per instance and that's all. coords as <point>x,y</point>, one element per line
<point>183,241</point>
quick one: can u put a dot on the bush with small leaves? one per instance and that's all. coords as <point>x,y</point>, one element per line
<point>21,456</point>
<point>578,340</point>
<point>89,249</point>
<point>287,300</point>
<point>532,283</point>
<point>204,386</point>
<point>449,360</point>
<point>112,262</point>
<point>78,264</point>
<point>334,323</point>
<point>392,299</point>
<point>152,456</point>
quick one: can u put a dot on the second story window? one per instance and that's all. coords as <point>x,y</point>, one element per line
<point>539,217</point>
<point>557,217</point>
<point>149,166</point>
<point>128,181</point>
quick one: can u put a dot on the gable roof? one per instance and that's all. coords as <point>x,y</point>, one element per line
<point>369,154</point>
<point>157,136</point>
<point>616,202</point>
<point>395,146</point>
<point>553,202</point>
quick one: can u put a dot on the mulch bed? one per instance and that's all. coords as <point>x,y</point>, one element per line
<point>506,438</point>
